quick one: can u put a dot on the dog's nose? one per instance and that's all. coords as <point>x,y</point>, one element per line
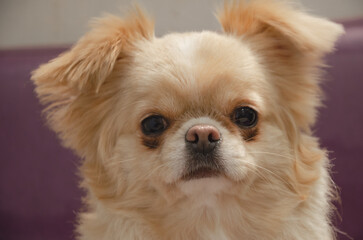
<point>203,138</point>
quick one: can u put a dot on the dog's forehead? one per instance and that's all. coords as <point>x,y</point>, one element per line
<point>197,68</point>
<point>207,50</point>
<point>198,53</point>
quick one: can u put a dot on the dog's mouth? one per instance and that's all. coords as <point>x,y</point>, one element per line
<point>203,172</point>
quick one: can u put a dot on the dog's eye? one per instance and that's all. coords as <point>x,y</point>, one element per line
<point>245,117</point>
<point>153,125</point>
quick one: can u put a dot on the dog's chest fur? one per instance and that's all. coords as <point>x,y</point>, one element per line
<point>210,216</point>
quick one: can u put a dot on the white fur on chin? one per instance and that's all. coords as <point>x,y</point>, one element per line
<point>204,191</point>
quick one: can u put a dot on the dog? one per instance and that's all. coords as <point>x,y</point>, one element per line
<point>198,135</point>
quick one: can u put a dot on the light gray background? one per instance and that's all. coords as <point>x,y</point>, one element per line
<point>29,23</point>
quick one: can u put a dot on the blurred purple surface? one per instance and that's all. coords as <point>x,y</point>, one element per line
<point>340,125</point>
<point>39,197</point>
<point>38,183</point>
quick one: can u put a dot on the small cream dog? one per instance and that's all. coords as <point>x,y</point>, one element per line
<point>197,135</point>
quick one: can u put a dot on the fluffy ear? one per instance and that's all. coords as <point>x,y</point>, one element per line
<point>280,20</point>
<point>92,59</point>
<point>78,87</point>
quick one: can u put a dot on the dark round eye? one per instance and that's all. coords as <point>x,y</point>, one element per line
<point>153,125</point>
<point>245,117</point>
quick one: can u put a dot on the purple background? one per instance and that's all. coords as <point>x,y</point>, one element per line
<point>39,197</point>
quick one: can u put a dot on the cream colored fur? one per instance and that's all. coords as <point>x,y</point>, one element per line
<point>276,186</point>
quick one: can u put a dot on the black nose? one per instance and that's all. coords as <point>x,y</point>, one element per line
<point>203,138</point>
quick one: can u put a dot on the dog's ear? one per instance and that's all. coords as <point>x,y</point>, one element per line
<point>279,20</point>
<point>91,60</point>
<point>78,86</point>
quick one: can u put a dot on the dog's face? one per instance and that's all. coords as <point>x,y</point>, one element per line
<point>192,112</point>
<point>197,106</point>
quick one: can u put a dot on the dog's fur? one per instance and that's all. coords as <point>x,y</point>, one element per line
<point>276,182</point>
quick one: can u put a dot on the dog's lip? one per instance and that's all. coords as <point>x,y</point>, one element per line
<point>203,172</point>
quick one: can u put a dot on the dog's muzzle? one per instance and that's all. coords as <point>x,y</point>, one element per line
<point>202,142</point>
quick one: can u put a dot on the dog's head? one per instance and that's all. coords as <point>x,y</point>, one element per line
<point>193,109</point>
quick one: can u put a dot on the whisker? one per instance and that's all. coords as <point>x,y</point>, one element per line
<point>275,154</point>
<point>269,171</point>
<point>115,163</point>
<point>257,172</point>
<point>157,168</point>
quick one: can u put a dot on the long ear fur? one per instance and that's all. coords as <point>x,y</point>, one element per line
<point>307,33</point>
<point>92,59</point>
<point>75,87</point>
